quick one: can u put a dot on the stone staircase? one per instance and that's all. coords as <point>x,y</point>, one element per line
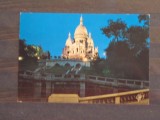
<point>39,69</point>
<point>73,70</point>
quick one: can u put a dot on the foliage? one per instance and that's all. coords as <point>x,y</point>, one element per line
<point>29,54</point>
<point>29,51</point>
<point>98,67</point>
<point>128,51</point>
<point>116,29</point>
<point>144,19</point>
<point>137,38</point>
<point>46,55</point>
<point>58,69</point>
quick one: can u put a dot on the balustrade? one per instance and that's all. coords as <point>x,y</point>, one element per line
<point>118,98</point>
<point>119,82</point>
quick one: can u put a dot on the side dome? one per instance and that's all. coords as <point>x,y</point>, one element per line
<point>81,30</point>
<point>69,40</point>
<point>90,40</point>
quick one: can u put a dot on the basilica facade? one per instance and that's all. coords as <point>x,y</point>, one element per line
<point>82,46</point>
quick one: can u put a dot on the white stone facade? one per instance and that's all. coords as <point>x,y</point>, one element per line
<point>82,47</point>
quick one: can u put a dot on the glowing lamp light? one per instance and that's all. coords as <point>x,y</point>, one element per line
<point>38,58</point>
<point>85,59</point>
<point>104,54</point>
<point>36,54</point>
<point>20,58</point>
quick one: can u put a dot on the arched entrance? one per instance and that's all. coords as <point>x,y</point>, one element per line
<point>67,65</point>
<point>78,65</point>
<point>57,65</point>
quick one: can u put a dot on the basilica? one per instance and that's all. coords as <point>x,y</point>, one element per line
<point>82,46</point>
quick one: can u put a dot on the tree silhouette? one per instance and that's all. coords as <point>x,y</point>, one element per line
<point>145,19</point>
<point>128,52</point>
<point>116,29</point>
<point>137,38</point>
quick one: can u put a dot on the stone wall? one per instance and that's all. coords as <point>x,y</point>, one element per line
<point>51,63</point>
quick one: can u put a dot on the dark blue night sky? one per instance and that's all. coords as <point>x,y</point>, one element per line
<point>50,30</point>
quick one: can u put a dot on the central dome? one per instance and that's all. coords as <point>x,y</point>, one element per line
<point>81,30</point>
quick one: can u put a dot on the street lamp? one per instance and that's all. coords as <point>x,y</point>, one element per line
<point>20,58</point>
<point>38,58</point>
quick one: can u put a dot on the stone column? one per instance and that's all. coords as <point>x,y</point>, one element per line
<point>115,90</point>
<point>43,89</point>
<point>52,87</point>
<point>142,84</point>
<point>37,89</point>
<point>48,88</point>
<point>82,89</point>
<point>117,100</point>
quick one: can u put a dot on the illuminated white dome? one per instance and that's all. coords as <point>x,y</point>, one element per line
<point>81,30</point>
<point>82,46</point>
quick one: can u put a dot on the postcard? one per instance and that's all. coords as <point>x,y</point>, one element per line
<point>84,58</point>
